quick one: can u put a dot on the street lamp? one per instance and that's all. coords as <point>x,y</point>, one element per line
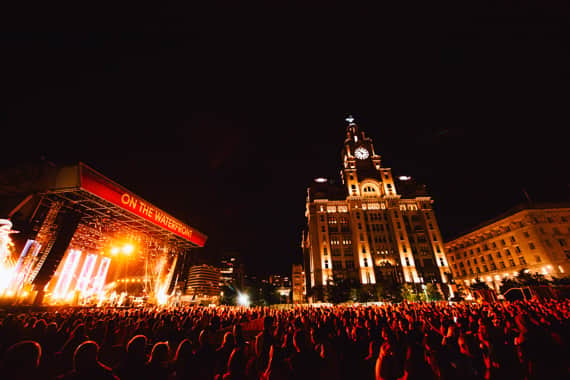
<point>243,299</point>
<point>128,249</point>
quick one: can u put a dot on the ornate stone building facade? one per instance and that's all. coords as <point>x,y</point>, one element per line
<point>372,226</point>
<point>533,237</point>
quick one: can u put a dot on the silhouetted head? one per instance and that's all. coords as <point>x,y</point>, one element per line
<point>228,340</point>
<point>23,357</point>
<point>204,338</point>
<point>300,341</point>
<point>236,362</point>
<point>268,322</point>
<point>136,348</point>
<point>85,356</point>
<point>159,353</point>
<point>184,351</point>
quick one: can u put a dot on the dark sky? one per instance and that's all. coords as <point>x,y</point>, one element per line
<point>223,114</point>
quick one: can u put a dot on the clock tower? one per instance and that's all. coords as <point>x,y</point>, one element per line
<point>371,228</point>
<point>360,161</point>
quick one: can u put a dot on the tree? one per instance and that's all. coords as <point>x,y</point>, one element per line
<point>316,293</point>
<point>409,293</point>
<point>228,295</point>
<point>526,278</point>
<point>479,285</point>
<point>269,295</point>
<point>380,291</point>
<point>366,293</point>
<point>507,283</point>
<point>338,290</point>
<point>561,281</point>
<point>433,293</point>
<point>459,293</point>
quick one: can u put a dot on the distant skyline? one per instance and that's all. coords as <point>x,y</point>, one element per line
<point>223,116</point>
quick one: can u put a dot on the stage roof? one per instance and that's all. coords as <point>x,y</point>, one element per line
<point>99,197</point>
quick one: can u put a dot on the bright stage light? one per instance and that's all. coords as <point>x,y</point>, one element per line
<point>114,250</point>
<point>128,249</point>
<point>243,299</point>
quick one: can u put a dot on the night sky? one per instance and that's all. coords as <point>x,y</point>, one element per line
<point>222,115</point>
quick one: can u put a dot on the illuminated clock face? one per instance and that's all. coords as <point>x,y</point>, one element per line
<point>361,153</point>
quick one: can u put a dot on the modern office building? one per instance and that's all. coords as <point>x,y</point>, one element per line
<point>530,236</point>
<point>372,226</point>
<point>203,283</point>
<point>279,280</point>
<point>232,271</point>
<point>298,284</point>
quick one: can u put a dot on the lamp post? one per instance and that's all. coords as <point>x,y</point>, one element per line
<point>127,250</point>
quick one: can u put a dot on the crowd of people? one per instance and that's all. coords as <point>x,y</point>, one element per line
<point>518,340</point>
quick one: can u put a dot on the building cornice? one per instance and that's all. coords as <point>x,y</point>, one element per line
<point>495,223</point>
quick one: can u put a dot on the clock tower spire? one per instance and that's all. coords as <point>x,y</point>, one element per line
<point>360,162</point>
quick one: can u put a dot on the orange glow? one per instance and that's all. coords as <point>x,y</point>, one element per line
<point>128,249</point>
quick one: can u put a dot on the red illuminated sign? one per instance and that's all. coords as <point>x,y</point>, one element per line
<point>102,187</point>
